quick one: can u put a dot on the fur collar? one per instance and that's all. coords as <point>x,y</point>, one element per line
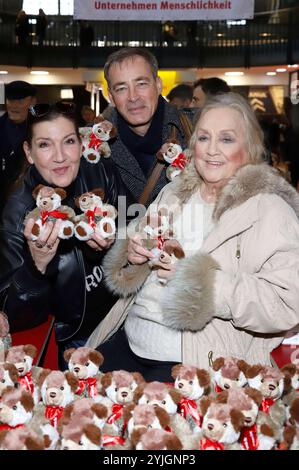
<point>248,181</point>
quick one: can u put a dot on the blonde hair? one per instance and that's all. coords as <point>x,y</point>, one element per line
<point>253,132</point>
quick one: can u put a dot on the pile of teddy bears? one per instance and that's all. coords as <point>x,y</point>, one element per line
<point>232,406</point>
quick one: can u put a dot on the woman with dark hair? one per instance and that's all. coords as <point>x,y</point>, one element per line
<point>49,275</point>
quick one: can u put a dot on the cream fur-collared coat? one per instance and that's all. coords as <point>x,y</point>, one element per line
<point>239,294</point>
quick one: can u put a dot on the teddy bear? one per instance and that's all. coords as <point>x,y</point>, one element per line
<point>97,216</point>
<point>145,417</point>
<point>228,372</point>
<point>167,397</point>
<point>171,152</point>
<point>119,386</point>
<point>84,363</point>
<point>248,401</point>
<point>22,357</point>
<point>16,408</point>
<point>9,377</point>
<point>57,390</point>
<point>22,438</point>
<point>80,434</point>
<point>86,408</point>
<point>221,425</point>
<point>95,140</point>
<point>156,439</point>
<point>5,338</point>
<point>270,382</point>
<point>192,383</point>
<point>49,208</point>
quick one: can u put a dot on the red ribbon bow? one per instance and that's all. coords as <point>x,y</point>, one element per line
<point>208,444</point>
<point>92,213</point>
<point>266,404</point>
<point>160,242</point>
<point>54,214</point>
<point>218,389</point>
<point>26,382</point>
<point>117,411</point>
<point>112,440</point>
<point>248,439</point>
<point>189,407</point>
<point>90,384</point>
<point>53,414</point>
<point>180,161</point>
<point>94,141</point>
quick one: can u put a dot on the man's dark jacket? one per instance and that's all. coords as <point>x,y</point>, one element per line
<point>26,295</point>
<point>128,167</point>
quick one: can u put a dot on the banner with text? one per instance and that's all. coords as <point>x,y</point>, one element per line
<point>163,10</point>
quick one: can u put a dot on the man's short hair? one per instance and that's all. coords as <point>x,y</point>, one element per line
<point>182,91</point>
<point>18,90</point>
<point>129,52</point>
<point>212,85</point>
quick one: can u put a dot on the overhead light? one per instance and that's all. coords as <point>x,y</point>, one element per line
<point>265,35</point>
<point>292,66</point>
<point>220,35</point>
<point>66,94</point>
<point>271,73</point>
<point>3,72</point>
<point>234,74</point>
<point>39,72</point>
<point>281,70</point>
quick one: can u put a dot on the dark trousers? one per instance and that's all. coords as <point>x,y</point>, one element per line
<point>118,355</point>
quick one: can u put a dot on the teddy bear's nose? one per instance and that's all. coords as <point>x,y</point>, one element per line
<point>76,369</point>
<point>210,427</point>
<point>44,203</point>
<point>272,387</point>
<point>226,386</point>
<point>52,394</point>
<point>124,394</point>
<point>180,385</point>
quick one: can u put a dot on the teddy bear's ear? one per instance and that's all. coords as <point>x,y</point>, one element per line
<point>175,395</point>
<point>218,363</point>
<point>242,365</point>
<point>77,201</point>
<point>136,435</point>
<point>67,354</point>
<point>33,444</point>
<point>72,381</point>
<point>175,371</point>
<point>254,394</point>
<point>96,357</point>
<point>30,350</point>
<point>42,376</point>
<point>237,419</point>
<point>106,381</point>
<point>163,416</point>
<point>204,378</point>
<point>160,157</point>
<point>204,404</point>
<point>37,190</point>
<point>61,192</point>
<point>101,411</point>
<point>253,371</point>
<point>128,411</point>
<point>138,378</point>
<point>113,132</point>
<point>99,192</point>
<point>173,442</point>
<point>27,401</point>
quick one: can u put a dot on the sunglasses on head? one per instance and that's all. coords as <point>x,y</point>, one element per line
<point>42,109</point>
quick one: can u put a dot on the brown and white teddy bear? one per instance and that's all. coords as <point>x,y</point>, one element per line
<point>57,391</point>
<point>16,408</point>
<point>86,408</point>
<point>192,383</point>
<point>145,417</point>
<point>5,338</point>
<point>171,152</point>
<point>248,401</point>
<point>97,216</point>
<point>157,439</point>
<point>80,434</point>
<point>270,382</point>
<point>119,387</point>
<point>228,372</point>
<point>23,438</point>
<point>9,377</point>
<point>95,140</point>
<point>84,363</point>
<point>221,426</point>
<point>159,394</point>
<point>49,208</point>
<point>22,358</point>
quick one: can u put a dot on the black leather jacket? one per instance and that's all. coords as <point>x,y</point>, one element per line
<point>26,295</point>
